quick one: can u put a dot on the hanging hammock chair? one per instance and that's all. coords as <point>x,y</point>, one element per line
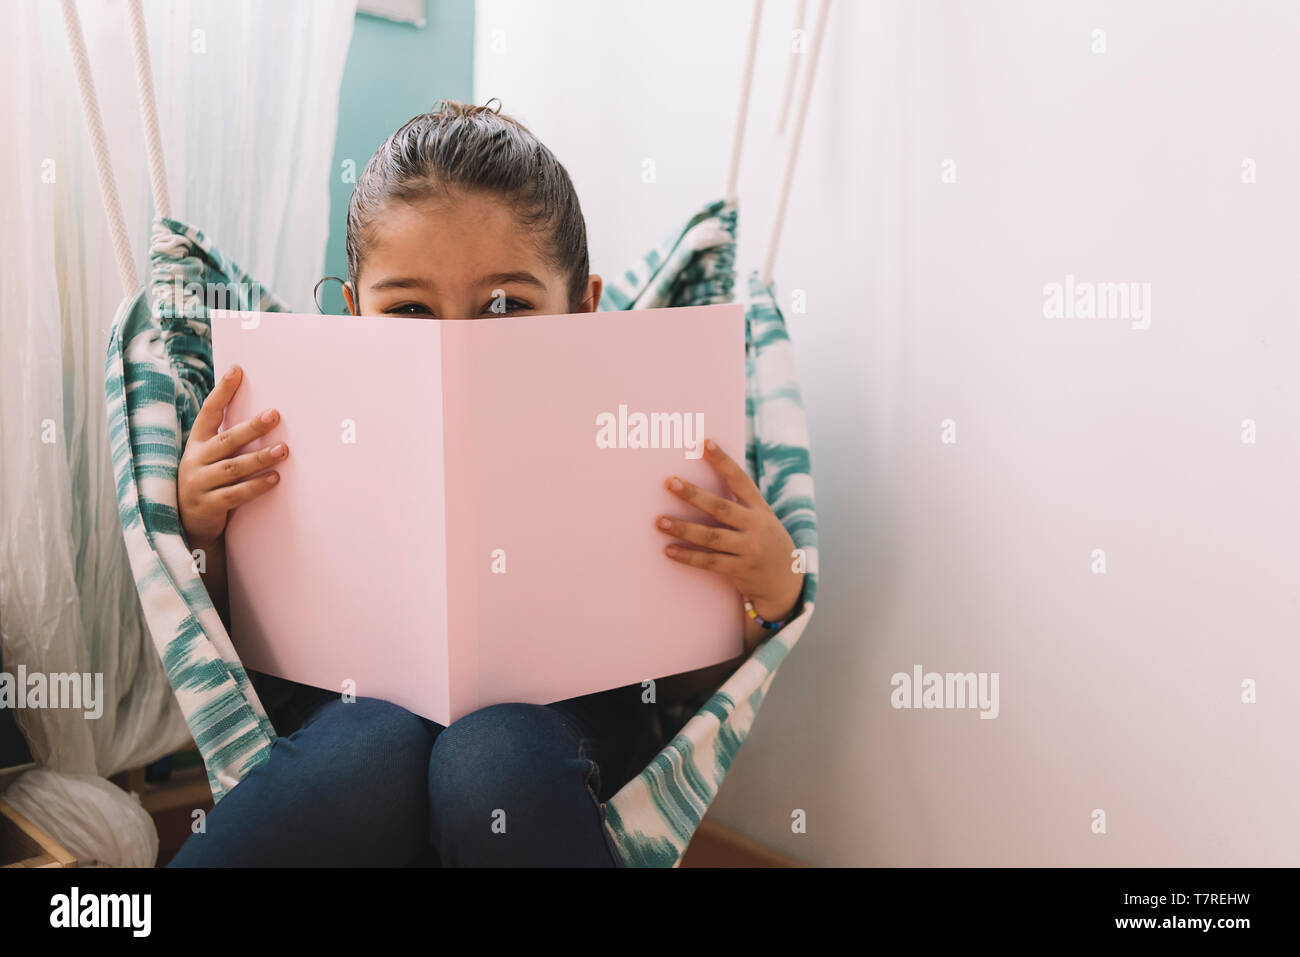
<point>158,371</point>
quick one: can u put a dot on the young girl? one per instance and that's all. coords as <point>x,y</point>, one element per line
<point>460,214</point>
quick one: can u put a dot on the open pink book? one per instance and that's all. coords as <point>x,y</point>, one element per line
<point>466,515</point>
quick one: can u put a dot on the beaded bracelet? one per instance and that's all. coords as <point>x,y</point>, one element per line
<point>769,625</point>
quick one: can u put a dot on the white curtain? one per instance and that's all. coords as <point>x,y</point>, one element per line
<point>248,103</point>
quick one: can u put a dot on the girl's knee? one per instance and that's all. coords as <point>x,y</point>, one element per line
<point>498,754</point>
<point>509,785</point>
<point>346,788</point>
<point>392,723</point>
<point>374,740</point>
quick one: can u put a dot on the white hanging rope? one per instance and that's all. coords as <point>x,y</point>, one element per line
<point>148,109</point>
<point>99,145</point>
<point>792,153</point>
<point>792,66</point>
<point>746,82</point>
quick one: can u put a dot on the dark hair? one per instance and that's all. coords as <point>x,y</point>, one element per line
<point>474,148</point>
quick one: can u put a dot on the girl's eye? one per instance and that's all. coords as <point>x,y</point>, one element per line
<point>511,305</point>
<point>408,309</point>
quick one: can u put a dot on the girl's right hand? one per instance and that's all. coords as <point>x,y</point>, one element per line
<point>212,479</point>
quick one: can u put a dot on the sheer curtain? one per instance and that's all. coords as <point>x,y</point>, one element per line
<point>248,103</point>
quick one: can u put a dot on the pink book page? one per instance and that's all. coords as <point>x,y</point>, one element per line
<point>337,575</point>
<point>553,535</point>
<point>448,532</point>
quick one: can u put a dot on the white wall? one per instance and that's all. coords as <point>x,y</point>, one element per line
<point>1119,691</point>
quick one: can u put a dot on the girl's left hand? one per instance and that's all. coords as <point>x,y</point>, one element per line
<point>753,550</point>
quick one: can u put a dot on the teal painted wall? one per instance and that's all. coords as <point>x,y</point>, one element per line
<point>394,71</point>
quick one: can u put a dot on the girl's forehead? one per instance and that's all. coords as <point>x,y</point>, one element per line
<point>473,233</point>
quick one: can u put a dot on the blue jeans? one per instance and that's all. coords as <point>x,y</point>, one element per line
<point>368,783</point>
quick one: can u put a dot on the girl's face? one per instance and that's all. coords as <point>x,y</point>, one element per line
<point>458,259</point>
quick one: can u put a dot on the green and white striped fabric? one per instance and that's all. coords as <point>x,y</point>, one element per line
<point>158,372</point>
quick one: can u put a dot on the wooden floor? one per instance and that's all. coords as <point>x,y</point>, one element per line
<point>173,830</point>
<point>716,846</point>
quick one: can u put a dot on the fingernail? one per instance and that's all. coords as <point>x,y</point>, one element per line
<point>268,415</point>
<point>711,445</point>
<point>278,450</point>
<point>665,523</point>
<point>272,478</point>
<point>230,373</point>
<point>671,550</point>
<point>675,484</point>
